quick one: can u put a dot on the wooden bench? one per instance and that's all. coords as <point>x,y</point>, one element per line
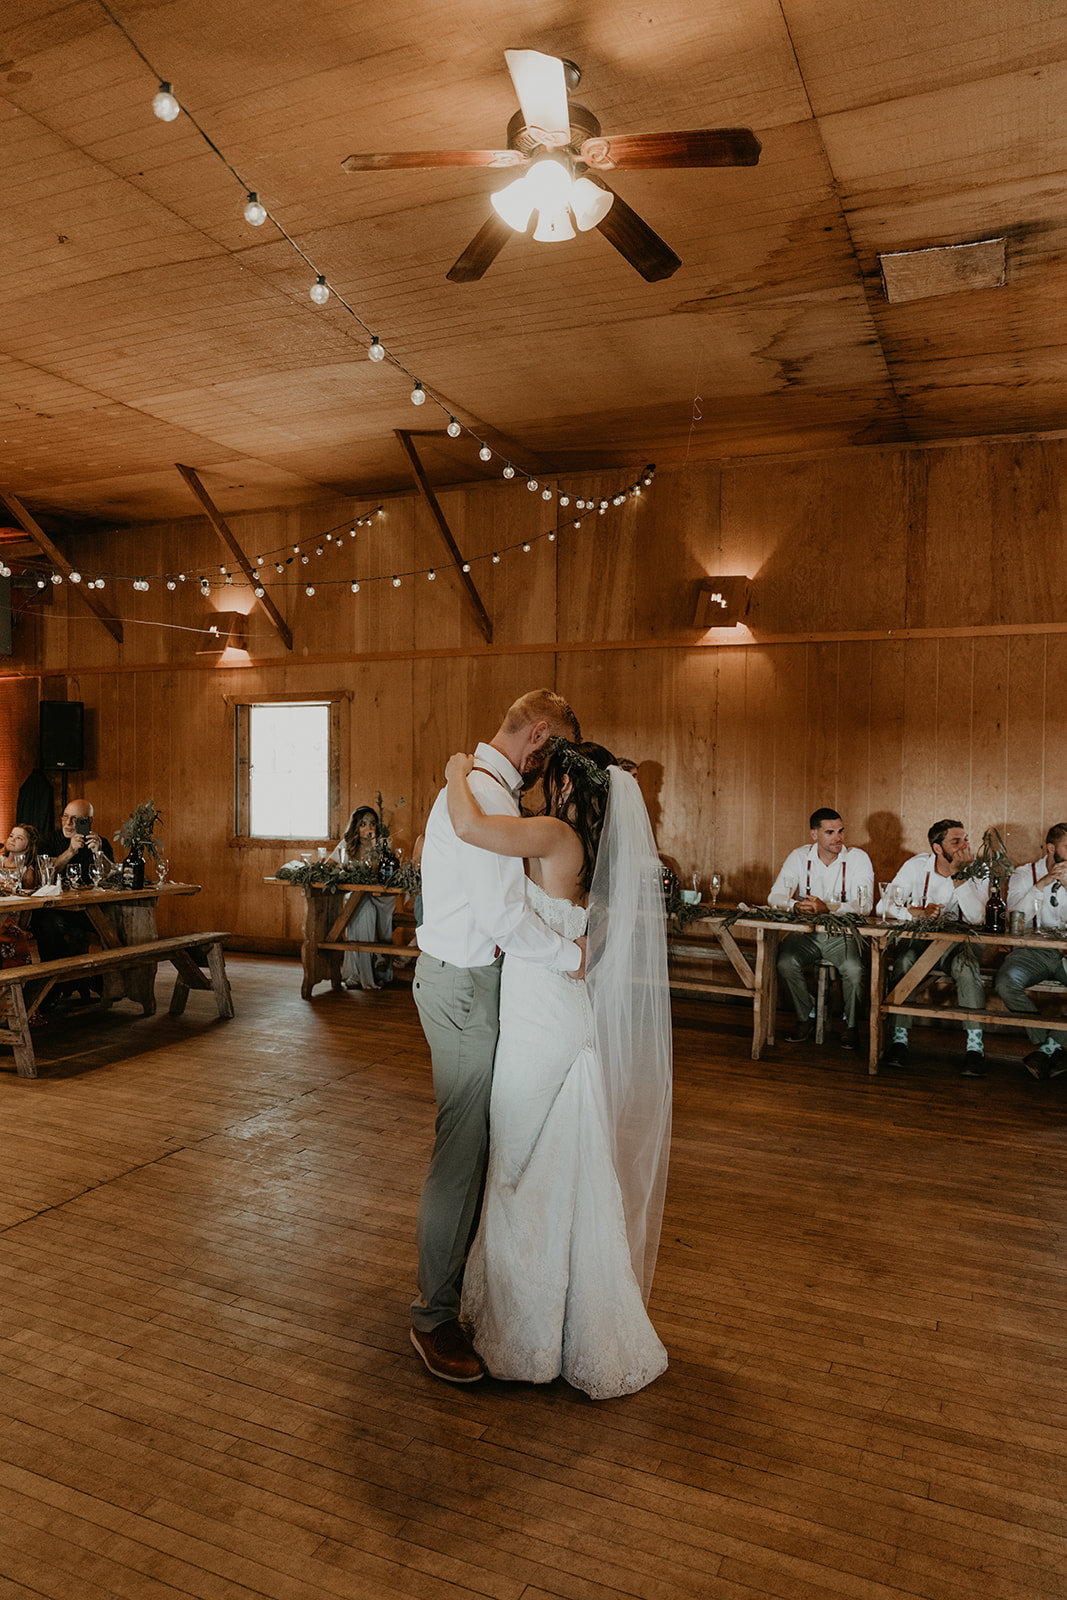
<point>23,989</point>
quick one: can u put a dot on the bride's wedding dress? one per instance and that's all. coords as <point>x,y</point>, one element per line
<point>549,1287</point>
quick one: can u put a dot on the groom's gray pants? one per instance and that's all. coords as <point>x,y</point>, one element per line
<point>459,1011</point>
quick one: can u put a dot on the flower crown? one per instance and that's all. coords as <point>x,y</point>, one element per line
<point>577,764</point>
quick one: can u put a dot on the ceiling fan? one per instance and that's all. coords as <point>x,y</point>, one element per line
<point>561,152</point>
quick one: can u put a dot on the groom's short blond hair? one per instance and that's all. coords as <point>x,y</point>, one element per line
<point>543,704</point>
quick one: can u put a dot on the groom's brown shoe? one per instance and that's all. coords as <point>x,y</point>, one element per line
<point>448,1353</point>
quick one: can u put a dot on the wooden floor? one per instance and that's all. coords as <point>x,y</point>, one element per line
<point>206,1385</point>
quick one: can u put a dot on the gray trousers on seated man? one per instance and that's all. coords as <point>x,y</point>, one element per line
<point>459,1010</point>
<point>1021,968</point>
<point>960,961</point>
<point>800,950</point>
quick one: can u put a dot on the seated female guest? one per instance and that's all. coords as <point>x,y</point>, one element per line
<point>23,840</point>
<point>372,920</point>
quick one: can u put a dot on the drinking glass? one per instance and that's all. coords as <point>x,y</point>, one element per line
<point>1036,907</point>
<point>714,885</point>
<point>833,906</point>
<point>162,866</point>
<point>96,872</point>
<point>863,899</point>
<point>46,868</point>
<point>883,895</point>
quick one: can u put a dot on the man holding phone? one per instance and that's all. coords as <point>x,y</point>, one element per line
<point>74,843</point>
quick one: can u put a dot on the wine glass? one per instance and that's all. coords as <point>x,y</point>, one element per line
<point>714,885</point>
<point>883,895</point>
<point>162,867</point>
<point>96,872</point>
<point>864,898</point>
<point>46,868</point>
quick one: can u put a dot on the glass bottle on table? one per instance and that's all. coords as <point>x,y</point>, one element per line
<point>996,910</point>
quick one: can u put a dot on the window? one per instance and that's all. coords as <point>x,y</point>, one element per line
<point>288,768</point>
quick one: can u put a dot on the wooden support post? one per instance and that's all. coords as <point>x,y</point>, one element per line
<point>60,562</point>
<point>446,534</point>
<point>218,522</point>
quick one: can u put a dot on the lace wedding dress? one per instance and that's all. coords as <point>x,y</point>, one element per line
<point>549,1287</point>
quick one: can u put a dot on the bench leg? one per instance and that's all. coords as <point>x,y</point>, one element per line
<point>219,981</point>
<point>19,1033</point>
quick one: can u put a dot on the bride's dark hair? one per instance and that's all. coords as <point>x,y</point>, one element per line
<point>584,807</point>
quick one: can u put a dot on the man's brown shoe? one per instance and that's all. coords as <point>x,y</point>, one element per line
<point>448,1353</point>
<point>803,1032</point>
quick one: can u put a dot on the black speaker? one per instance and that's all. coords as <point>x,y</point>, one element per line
<point>63,734</point>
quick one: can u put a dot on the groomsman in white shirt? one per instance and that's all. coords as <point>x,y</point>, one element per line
<point>824,875</point>
<point>1039,891</point>
<point>927,886</point>
<point>473,908</point>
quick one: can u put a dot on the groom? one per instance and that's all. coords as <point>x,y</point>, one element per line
<point>473,909</point>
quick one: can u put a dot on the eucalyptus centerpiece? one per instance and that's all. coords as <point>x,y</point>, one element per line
<point>137,836</point>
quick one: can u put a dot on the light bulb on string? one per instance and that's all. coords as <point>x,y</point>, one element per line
<point>396,581</point>
<point>531,484</point>
<point>41,584</point>
<point>376,352</point>
<point>552,537</point>
<point>171,585</point>
<point>509,471</point>
<point>255,213</point>
<point>496,558</point>
<point>318,291</point>
<point>259,591</point>
<point>418,394</point>
<point>57,577</point>
<point>310,589</point>
<point>526,549</point>
<point>355,588</point>
<point>431,575</point>
<point>546,494</point>
<point>453,430</point>
<point>164,103</point>
<point>466,566</point>
<point>75,577</point>
<point>485,454</point>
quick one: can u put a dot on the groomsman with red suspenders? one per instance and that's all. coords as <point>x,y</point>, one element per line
<point>1039,891</point>
<point>822,874</point>
<point>931,889</point>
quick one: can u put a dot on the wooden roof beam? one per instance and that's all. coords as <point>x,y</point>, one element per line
<point>438,515</point>
<point>60,562</point>
<point>221,527</point>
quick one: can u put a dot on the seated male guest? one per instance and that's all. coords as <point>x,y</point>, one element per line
<point>72,849</point>
<point>927,886</point>
<point>822,874</point>
<point>63,933</point>
<point>1039,891</point>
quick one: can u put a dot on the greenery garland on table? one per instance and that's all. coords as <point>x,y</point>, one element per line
<point>333,877</point>
<point>842,924</point>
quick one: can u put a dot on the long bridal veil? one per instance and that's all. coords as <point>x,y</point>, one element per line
<point>626,974</point>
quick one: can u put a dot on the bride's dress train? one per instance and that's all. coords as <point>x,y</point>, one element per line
<point>549,1288</point>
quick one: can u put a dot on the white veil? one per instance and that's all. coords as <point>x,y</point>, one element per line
<point>627,984</point>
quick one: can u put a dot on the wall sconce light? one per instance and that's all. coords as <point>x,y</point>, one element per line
<point>722,602</point>
<point>226,632</point>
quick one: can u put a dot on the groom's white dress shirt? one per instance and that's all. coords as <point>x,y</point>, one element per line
<point>925,886</point>
<point>474,901</point>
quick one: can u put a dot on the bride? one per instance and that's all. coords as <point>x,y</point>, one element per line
<point>561,1267</point>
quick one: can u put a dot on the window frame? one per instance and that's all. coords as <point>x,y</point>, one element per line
<point>339,702</point>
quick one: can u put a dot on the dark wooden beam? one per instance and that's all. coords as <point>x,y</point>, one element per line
<point>60,562</point>
<point>218,522</point>
<point>446,533</point>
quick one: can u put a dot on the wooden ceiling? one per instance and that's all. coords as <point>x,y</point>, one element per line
<point>145,323</point>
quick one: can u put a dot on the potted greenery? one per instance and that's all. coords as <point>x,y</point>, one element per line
<point>136,834</point>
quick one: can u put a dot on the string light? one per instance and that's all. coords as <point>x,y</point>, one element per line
<point>485,454</point>
<point>57,577</point>
<point>453,430</point>
<point>509,471</point>
<point>531,484</point>
<point>526,549</point>
<point>75,577</point>
<point>431,575</point>
<point>496,558</point>
<point>376,351</point>
<point>355,588</point>
<point>418,394</point>
<point>164,103</point>
<point>396,581</point>
<point>318,291</point>
<point>255,214</point>
<point>310,589</point>
<point>546,494</point>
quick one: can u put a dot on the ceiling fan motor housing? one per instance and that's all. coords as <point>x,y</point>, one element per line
<point>583,126</point>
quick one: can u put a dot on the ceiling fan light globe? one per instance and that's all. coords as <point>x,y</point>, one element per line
<point>553,226</point>
<point>515,205</point>
<point>549,183</point>
<point>589,203</point>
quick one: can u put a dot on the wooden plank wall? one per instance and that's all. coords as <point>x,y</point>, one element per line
<point>870,674</point>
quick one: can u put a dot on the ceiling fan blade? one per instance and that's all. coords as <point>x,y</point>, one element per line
<point>482,251</point>
<point>541,85</point>
<point>634,239</point>
<point>701,147</point>
<point>433,158</point>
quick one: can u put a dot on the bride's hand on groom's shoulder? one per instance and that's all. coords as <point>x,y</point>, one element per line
<point>459,766</point>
